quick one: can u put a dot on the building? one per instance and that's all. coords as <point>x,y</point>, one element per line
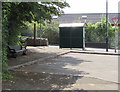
<point>91,17</point>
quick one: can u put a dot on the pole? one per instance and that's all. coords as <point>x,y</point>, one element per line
<point>115,39</point>
<point>106,25</point>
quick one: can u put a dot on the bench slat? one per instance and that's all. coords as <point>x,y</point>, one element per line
<point>16,49</point>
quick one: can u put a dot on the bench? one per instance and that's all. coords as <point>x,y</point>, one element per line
<point>17,49</point>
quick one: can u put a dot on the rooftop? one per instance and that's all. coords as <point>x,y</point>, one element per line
<point>91,17</point>
<point>72,25</point>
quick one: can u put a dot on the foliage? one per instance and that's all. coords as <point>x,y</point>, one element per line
<point>34,11</point>
<point>94,32</point>
<point>15,14</point>
<point>4,39</point>
<point>4,46</point>
<point>48,30</point>
<point>97,32</point>
<point>28,29</point>
<point>6,75</point>
<point>51,31</point>
<point>18,12</point>
<point>90,32</point>
<point>100,27</point>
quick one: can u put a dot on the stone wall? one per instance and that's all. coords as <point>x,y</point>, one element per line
<point>38,42</point>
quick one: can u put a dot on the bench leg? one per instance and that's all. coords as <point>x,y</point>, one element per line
<point>24,52</point>
<point>14,55</point>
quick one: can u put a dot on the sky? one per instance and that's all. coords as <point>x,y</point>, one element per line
<point>91,6</point>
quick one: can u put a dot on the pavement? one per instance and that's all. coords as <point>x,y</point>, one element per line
<point>98,51</point>
<point>51,68</point>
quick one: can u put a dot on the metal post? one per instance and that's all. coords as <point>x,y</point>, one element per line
<point>85,21</point>
<point>115,39</point>
<point>106,25</point>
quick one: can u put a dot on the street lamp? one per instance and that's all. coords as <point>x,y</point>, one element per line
<point>106,25</point>
<point>85,20</point>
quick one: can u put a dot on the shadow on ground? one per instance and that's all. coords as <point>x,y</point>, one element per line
<point>34,79</point>
<point>61,65</point>
<point>48,73</point>
<point>32,54</point>
<point>37,81</point>
<point>56,73</point>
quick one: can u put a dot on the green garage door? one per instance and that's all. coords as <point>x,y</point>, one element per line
<point>71,37</point>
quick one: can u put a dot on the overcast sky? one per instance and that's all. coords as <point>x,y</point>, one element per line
<point>92,6</point>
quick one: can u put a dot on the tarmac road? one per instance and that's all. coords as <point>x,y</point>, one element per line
<point>71,71</point>
<point>97,71</point>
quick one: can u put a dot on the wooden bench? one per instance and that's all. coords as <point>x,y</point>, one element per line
<point>17,49</point>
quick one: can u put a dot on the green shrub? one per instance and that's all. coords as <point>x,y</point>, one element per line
<point>97,32</point>
<point>28,29</point>
<point>51,31</point>
<point>48,30</point>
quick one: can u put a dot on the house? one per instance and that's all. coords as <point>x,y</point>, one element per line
<point>91,17</point>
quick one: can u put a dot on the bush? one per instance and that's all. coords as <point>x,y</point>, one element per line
<point>97,32</point>
<point>51,31</point>
<point>48,30</point>
<point>27,29</point>
<point>90,34</point>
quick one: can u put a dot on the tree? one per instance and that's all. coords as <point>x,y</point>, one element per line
<point>15,14</point>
